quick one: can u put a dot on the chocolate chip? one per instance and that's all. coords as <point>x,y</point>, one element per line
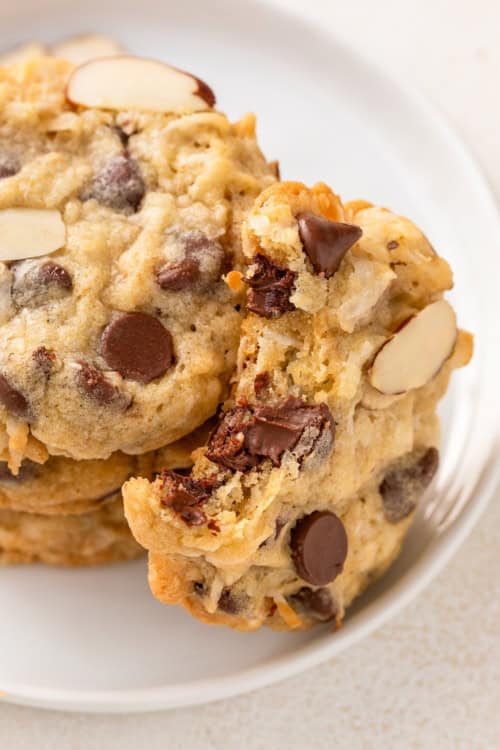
<point>227,602</point>
<point>175,277</point>
<point>9,166</point>
<point>37,283</point>
<point>392,245</point>
<point>95,385</point>
<point>52,273</point>
<point>279,428</point>
<point>137,346</point>
<point>119,185</point>
<point>261,383</point>
<point>406,481</point>
<point>326,242</point>
<point>13,400</point>
<point>44,359</point>
<point>200,267</point>
<point>319,547</point>
<point>185,495</point>
<point>199,588</point>
<point>271,288</point>
<point>249,434</point>
<point>317,603</point>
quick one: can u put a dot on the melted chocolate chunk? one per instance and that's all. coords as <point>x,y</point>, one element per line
<point>185,495</point>
<point>392,245</point>
<point>13,400</point>
<point>403,485</point>
<point>137,346</point>
<point>271,288</point>
<point>318,545</point>
<point>317,603</point>
<point>37,283</point>
<point>119,185</point>
<point>44,359</point>
<point>326,242</point>
<point>95,385</point>
<point>247,435</point>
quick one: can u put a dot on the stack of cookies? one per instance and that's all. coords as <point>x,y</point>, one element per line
<point>155,274</point>
<point>118,227</point>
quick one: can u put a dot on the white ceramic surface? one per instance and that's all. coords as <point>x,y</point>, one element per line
<point>99,642</point>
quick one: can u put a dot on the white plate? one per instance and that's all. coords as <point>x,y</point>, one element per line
<point>96,640</point>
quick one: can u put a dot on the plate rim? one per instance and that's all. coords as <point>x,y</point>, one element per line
<point>414,581</point>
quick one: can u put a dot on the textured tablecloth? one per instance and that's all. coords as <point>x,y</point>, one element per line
<point>431,678</point>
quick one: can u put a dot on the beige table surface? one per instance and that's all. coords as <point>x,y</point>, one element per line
<point>431,678</point>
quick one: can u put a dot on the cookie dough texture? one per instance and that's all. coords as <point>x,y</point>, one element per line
<point>95,538</point>
<point>125,337</point>
<point>303,494</point>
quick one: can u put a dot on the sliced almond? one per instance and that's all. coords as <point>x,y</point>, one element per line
<point>136,83</point>
<point>22,53</point>
<point>29,233</point>
<point>81,49</point>
<point>417,351</point>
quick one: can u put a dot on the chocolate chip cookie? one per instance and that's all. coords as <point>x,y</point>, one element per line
<point>309,482</point>
<point>94,538</point>
<point>68,512</point>
<point>120,214</point>
<point>63,486</point>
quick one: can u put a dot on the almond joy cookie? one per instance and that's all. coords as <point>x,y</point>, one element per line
<point>101,536</point>
<point>122,191</point>
<point>309,482</point>
<point>63,486</point>
<point>68,512</point>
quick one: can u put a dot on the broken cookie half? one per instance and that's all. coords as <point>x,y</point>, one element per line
<point>308,483</point>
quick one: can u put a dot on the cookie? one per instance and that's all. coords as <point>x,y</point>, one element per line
<point>309,482</point>
<point>87,539</point>
<point>62,486</point>
<point>120,214</point>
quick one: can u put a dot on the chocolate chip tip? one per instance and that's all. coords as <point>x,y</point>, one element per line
<point>326,242</point>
